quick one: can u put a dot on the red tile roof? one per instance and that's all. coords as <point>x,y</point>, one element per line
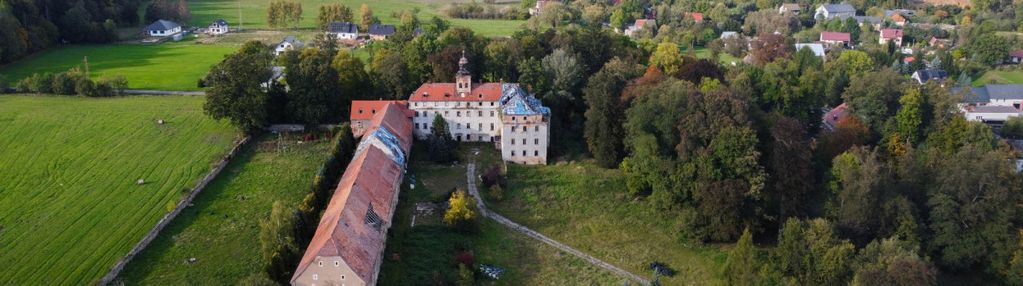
<point>697,16</point>
<point>891,33</point>
<point>836,114</point>
<point>1016,54</point>
<point>371,179</point>
<point>490,91</point>
<point>365,109</point>
<point>835,36</point>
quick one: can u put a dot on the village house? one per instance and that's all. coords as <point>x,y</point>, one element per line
<point>834,116</point>
<point>379,32</point>
<point>816,48</point>
<point>362,113</point>
<point>344,30</point>
<point>897,19</point>
<point>830,39</point>
<point>830,11</point>
<point>696,16</point>
<point>538,7</point>
<point>924,75</point>
<point>992,103</point>
<point>501,113</point>
<point>348,246</point>
<point>870,21</point>
<point>890,35</point>
<point>218,27</point>
<point>938,43</point>
<point>1016,56</point>
<point>163,28</point>
<point>729,35</point>
<point>793,8</point>
<point>289,43</point>
<point>641,24</point>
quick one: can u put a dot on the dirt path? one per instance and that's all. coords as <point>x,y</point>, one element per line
<point>471,177</point>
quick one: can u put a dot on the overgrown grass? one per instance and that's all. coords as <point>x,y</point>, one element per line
<point>253,13</point>
<point>222,230</point>
<point>69,202</point>
<point>415,255</point>
<point>1000,77</point>
<point>167,66</point>
<point>587,207</point>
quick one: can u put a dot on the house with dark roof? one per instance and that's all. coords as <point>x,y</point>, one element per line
<point>380,31</point>
<point>992,103</point>
<point>830,11</point>
<point>218,27</point>
<point>816,48</point>
<point>922,76</point>
<point>163,28</point>
<point>344,30</point>
<point>289,43</point>
<point>348,246</point>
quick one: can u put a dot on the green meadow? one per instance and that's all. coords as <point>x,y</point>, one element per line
<point>253,13</point>
<point>167,66</point>
<point>1000,77</point>
<point>221,230</point>
<point>588,208</point>
<point>70,206</point>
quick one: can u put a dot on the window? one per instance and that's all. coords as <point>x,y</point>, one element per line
<point>536,153</point>
<point>316,277</point>
<point>458,125</point>
<point>479,113</point>
<point>480,104</point>
<point>445,113</point>
<point>513,118</point>
<point>536,141</point>
<point>360,110</point>
<point>342,277</point>
<point>337,264</point>
<point>513,128</point>
<point>481,127</point>
<point>536,128</point>
<point>513,151</point>
<point>320,263</point>
<point>491,127</point>
<point>513,141</point>
<point>491,104</point>
<point>523,141</point>
<point>458,113</point>
<point>417,125</point>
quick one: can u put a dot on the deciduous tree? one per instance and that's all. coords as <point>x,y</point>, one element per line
<point>234,89</point>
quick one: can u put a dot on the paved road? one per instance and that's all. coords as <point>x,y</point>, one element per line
<point>471,177</point>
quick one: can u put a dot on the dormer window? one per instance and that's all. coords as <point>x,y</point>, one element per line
<point>360,110</point>
<point>337,263</point>
<point>320,263</point>
<point>481,95</point>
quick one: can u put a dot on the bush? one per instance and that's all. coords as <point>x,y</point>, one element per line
<point>117,83</point>
<point>71,82</point>
<point>497,193</point>
<point>63,84</point>
<point>3,84</point>
<point>37,83</point>
<point>493,176</point>
<point>1013,128</point>
<point>85,86</point>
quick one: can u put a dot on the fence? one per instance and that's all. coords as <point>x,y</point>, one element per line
<point>116,270</point>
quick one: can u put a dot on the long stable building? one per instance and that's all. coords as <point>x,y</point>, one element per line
<point>348,246</point>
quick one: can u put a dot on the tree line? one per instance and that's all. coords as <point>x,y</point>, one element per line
<point>27,27</point>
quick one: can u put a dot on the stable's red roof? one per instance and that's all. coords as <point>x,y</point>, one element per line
<point>490,91</point>
<point>891,33</point>
<point>371,180</point>
<point>365,109</point>
<point>835,36</point>
<point>697,16</point>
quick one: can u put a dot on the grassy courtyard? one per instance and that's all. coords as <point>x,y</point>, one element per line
<point>221,231</point>
<point>1000,77</point>
<point>588,208</point>
<point>69,202</point>
<point>167,66</point>
<point>253,13</point>
<point>417,254</point>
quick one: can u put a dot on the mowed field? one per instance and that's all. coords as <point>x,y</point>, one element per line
<point>167,66</point>
<point>253,13</point>
<point>221,231</point>
<point>1000,77</point>
<point>588,208</point>
<point>69,202</point>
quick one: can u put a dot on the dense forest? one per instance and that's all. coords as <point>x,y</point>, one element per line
<point>29,26</point>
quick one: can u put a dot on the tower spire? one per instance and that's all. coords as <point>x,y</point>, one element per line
<point>463,79</point>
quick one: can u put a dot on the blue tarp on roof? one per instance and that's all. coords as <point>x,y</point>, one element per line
<point>384,140</point>
<point>515,101</point>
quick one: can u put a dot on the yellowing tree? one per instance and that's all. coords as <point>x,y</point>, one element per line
<point>461,210</point>
<point>667,57</point>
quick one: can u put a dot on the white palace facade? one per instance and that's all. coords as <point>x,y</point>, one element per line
<point>502,113</point>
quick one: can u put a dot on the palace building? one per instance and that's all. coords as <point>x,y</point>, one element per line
<point>502,113</point>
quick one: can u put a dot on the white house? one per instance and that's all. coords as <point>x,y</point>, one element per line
<point>789,8</point>
<point>537,8</point>
<point>890,35</point>
<point>163,28</point>
<point>993,103</point>
<point>218,27</point>
<point>641,24</point>
<point>289,43</point>
<point>830,11</point>
<point>380,31</point>
<point>344,30</point>
<point>485,112</point>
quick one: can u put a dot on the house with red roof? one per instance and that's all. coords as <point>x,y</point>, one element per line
<point>1016,56</point>
<point>362,113</point>
<point>833,116</point>
<point>496,112</point>
<point>893,36</point>
<point>348,246</point>
<point>835,38</point>
<point>697,17</point>
<point>641,24</point>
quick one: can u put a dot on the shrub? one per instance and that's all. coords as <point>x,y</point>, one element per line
<point>497,193</point>
<point>493,176</point>
<point>63,84</point>
<point>117,83</point>
<point>3,84</point>
<point>37,83</point>
<point>1013,128</point>
<point>461,211</point>
<point>85,86</point>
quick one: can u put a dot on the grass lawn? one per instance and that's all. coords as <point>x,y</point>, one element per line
<point>416,254</point>
<point>69,203</point>
<point>999,76</point>
<point>222,230</point>
<point>253,13</point>
<point>723,58</point>
<point>587,207</point>
<point>168,66</point>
